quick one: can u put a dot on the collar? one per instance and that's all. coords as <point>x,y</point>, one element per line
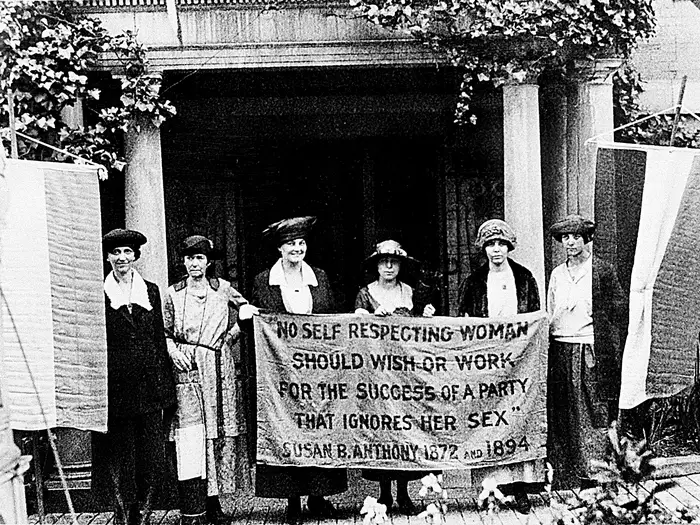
<point>581,271</point>
<point>308,276</point>
<point>139,292</point>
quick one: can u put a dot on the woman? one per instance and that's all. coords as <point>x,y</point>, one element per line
<point>129,460</point>
<point>388,295</point>
<point>587,312</point>
<point>208,429</point>
<point>502,287</point>
<point>291,285</point>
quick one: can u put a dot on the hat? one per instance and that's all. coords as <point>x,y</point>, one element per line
<point>496,229</point>
<point>289,229</point>
<point>199,244</point>
<point>391,248</point>
<point>573,224</point>
<point>120,237</point>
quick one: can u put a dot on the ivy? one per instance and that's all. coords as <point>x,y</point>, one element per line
<point>500,41</point>
<point>47,50</point>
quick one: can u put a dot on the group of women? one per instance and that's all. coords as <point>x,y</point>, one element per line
<point>177,373</point>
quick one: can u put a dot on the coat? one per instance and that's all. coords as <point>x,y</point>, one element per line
<point>139,375</point>
<point>473,296</point>
<point>286,482</point>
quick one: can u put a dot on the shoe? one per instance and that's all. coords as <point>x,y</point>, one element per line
<point>293,514</point>
<point>319,507</point>
<point>406,507</point>
<point>215,515</point>
<point>522,503</point>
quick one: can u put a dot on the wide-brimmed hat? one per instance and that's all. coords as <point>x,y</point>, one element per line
<point>391,248</point>
<point>195,244</point>
<point>289,229</point>
<point>496,229</point>
<point>120,237</point>
<point>573,223</point>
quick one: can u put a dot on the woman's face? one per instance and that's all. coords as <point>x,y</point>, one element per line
<point>122,259</point>
<point>196,265</point>
<point>574,244</point>
<point>496,252</point>
<point>388,268</point>
<point>293,251</point>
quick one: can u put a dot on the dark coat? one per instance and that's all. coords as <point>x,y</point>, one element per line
<point>473,296</point>
<point>610,318</point>
<point>139,374</point>
<point>286,482</point>
<point>270,297</point>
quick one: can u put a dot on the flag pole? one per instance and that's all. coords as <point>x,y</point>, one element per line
<point>677,116</point>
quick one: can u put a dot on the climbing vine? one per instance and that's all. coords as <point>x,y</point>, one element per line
<point>498,41</point>
<point>48,50</point>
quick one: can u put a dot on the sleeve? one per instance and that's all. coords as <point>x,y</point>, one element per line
<point>158,324</point>
<point>235,298</point>
<point>422,295</point>
<point>551,294</point>
<point>169,322</point>
<point>464,296</point>
<point>364,300</point>
<point>533,294</point>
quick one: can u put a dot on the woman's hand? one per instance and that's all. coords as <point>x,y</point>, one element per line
<point>382,312</point>
<point>429,310</point>
<point>180,360</point>
<point>361,311</point>
<point>247,311</point>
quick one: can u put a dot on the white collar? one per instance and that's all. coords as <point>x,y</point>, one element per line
<point>277,278</point>
<point>139,292</point>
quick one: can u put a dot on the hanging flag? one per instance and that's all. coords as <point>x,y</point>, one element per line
<point>55,352</point>
<point>648,210</point>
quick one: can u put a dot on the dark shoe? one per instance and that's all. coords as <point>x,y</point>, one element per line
<point>293,514</point>
<point>587,483</point>
<point>320,507</point>
<point>386,500</point>
<point>215,515</point>
<point>522,503</point>
<point>406,507</point>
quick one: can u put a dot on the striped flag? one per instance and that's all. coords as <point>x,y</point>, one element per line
<point>54,360</point>
<point>648,214</point>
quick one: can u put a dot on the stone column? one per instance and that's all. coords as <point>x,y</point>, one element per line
<point>523,174</point>
<point>590,113</point>
<point>144,198</point>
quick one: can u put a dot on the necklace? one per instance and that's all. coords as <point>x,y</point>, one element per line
<point>201,323</point>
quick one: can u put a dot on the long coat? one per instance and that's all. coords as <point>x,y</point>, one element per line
<point>473,296</point>
<point>286,482</point>
<point>140,385</point>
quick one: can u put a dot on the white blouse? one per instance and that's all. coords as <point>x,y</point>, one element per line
<point>297,300</point>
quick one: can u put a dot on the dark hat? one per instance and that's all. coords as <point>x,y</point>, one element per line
<point>199,244</point>
<point>120,237</point>
<point>573,224</point>
<point>289,229</point>
<point>391,248</point>
<point>496,229</point>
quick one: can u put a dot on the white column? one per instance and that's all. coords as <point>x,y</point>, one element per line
<point>144,199</point>
<point>523,175</point>
<point>590,113</point>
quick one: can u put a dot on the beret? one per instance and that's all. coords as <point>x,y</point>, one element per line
<point>573,224</point>
<point>120,237</point>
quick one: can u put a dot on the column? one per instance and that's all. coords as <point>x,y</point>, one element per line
<point>590,113</point>
<point>523,174</point>
<point>144,199</point>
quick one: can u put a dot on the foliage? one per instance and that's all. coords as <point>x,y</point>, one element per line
<point>500,41</point>
<point>47,51</point>
<point>620,497</point>
<point>627,86</point>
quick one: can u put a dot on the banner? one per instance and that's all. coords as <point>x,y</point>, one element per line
<point>657,191</point>
<point>55,355</point>
<point>401,392</point>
